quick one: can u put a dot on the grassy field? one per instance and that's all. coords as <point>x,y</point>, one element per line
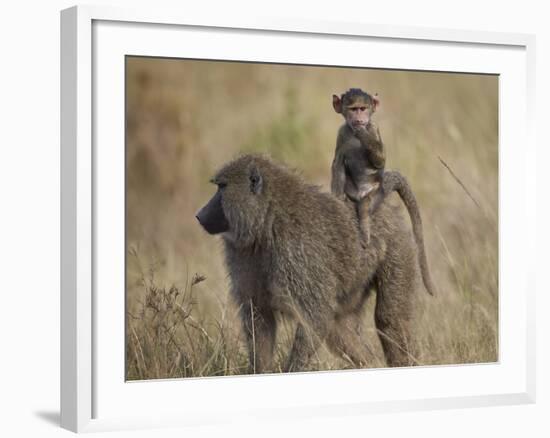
<point>186,118</point>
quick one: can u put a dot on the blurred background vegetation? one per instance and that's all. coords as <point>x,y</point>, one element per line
<point>186,118</point>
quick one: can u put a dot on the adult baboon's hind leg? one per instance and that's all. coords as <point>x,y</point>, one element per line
<point>394,311</point>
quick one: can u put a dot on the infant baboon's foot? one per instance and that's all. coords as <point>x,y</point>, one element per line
<point>365,237</point>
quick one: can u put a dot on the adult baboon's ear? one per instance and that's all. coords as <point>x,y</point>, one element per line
<point>256,180</point>
<point>337,104</point>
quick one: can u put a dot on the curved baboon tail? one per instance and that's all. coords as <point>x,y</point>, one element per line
<point>394,181</point>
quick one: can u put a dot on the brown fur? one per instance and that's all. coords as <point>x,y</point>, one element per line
<point>291,248</point>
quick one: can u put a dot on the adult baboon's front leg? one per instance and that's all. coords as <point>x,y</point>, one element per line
<point>346,340</point>
<point>311,331</point>
<point>260,327</point>
<point>304,346</point>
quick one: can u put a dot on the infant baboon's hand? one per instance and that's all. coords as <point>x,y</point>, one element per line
<point>358,129</point>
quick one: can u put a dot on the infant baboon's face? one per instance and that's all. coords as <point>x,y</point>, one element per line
<point>356,106</point>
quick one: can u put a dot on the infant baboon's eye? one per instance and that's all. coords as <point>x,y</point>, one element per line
<point>363,108</point>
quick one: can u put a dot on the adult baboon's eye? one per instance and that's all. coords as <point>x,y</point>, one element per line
<point>220,184</point>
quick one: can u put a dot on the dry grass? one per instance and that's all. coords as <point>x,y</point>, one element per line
<point>185,119</point>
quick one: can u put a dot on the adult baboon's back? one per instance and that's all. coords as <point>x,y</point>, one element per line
<point>291,248</point>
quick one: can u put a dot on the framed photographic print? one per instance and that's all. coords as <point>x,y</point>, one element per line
<point>231,235</point>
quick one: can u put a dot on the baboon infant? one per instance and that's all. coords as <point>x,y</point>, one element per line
<point>358,173</point>
<point>292,250</point>
<point>359,159</point>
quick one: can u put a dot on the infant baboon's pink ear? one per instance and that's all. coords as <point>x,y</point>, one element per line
<point>337,104</point>
<point>375,101</point>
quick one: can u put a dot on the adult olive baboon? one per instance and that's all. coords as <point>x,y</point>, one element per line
<point>293,249</point>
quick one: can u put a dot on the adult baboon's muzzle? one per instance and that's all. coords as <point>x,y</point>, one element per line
<point>212,217</point>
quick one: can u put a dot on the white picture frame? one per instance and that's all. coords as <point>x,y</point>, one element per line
<point>96,398</point>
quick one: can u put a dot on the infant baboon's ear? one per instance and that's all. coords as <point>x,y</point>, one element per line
<point>375,102</point>
<point>337,104</point>
<point>255,178</point>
